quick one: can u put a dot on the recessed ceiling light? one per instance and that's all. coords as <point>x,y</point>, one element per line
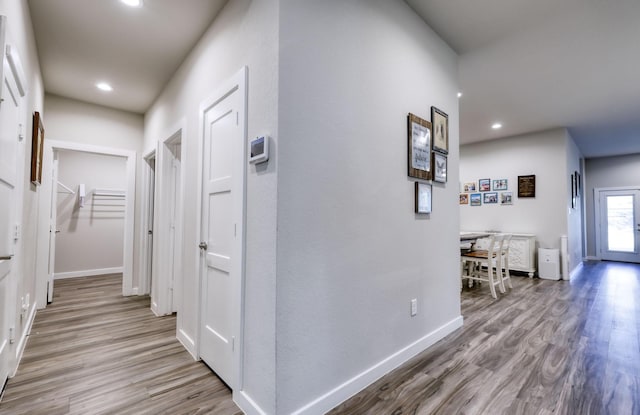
<point>103,86</point>
<point>459,94</point>
<point>132,3</point>
<point>496,126</point>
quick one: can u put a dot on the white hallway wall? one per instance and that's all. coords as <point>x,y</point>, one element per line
<point>552,156</point>
<point>617,171</point>
<point>20,36</point>
<point>91,237</point>
<point>79,122</point>
<point>351,251</point>
<point>244,33</point>
<point>543,154</point>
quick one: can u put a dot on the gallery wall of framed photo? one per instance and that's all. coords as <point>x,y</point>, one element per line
<point>500,191</point>
<point>428,148</point>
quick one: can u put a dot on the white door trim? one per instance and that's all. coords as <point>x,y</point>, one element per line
<point>239,82</point>
<point>596,211</point>
<point>144,278</point>
<point>163,256</point>
<point>45,206</point>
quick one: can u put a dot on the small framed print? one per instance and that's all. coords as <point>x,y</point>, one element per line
<point>500,184</point>
<point>506,198</point>
<point>464,198</point>
<point>469,187</point>
<point>419,132</point>
<point>485,185</point>
<point>475,199</point>
<point>440,167</point>
<point>489,198</point>
<point>440,123</point>
<point>423,198</point>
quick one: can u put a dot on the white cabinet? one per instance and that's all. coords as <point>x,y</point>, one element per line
<point>522,252</point>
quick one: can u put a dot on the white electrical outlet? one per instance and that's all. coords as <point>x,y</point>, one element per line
<point>414,307</point>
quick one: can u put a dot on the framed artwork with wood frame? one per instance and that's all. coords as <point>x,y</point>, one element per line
<point>37,149</point>
<point>419,145</point>
<point>440,123</point>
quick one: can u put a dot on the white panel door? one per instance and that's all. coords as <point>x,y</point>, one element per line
<point>222,231</point>
<point>9,131</point>
<point>620,225</point>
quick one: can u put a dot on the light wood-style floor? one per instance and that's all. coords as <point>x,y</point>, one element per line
<point>546,347</point>
<point>93,351</point>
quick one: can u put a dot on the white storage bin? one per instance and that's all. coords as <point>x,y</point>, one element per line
<point>549,264</point>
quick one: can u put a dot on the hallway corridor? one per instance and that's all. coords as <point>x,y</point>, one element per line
<point>93,351</point>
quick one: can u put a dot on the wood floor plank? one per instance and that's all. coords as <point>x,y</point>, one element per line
<point>544,347</point>
<point>93,351</point>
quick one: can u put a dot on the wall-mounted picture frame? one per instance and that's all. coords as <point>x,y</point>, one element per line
<point>439,167</point>
<point>527,186</point>
<point>37,149</point>
<point>490,198</point>
<point>423,198</point>
<point>500,184</point>
<point>475,199</point>
<point>440,123</point>
<point>464,198</point>
<point>419,147</point>
<point>506,198</point>
<point>469,187</point>
<point>484,185</point>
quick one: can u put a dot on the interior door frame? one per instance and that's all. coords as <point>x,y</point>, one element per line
<point>597,215</point>
<point>146,220</point>
<point>48,191</point>
<point>239,82</point>
<point>165,288</point>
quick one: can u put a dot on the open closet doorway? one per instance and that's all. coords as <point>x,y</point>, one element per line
<point>167,227</point>
<point>80,203</point>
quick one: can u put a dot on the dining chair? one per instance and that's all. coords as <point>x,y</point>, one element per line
<point>505,275</point>
<point>485,265</point>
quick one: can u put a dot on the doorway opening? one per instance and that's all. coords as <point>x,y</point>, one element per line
<point>618,224</point>
<point>167,227</point>
<point>100,202</point>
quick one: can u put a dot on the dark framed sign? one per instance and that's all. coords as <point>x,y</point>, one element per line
<point>527,186</point>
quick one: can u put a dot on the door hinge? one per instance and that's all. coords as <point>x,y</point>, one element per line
<point>12,335</point>
<point>233,343</point>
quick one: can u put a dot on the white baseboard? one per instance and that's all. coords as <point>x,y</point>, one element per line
<point>246,404</point>
<point>187,342</point>
<point>23,338</point>
<point>86,273</point>
<point>574,272</point>
<point>354,385</point>
<point>592,258</point>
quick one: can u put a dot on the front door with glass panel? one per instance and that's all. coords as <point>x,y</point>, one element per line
<point>620,225</point>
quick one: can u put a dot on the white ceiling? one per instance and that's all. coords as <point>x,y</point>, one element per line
<point>530,64</point>
<point>81,42</point>
<point>541,64</point>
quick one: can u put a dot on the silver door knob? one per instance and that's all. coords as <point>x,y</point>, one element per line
<point>203,245</point>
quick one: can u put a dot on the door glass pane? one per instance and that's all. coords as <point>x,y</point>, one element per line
<point>620,223</point>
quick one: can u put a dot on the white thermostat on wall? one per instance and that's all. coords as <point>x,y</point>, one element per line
<point>259,150</point>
